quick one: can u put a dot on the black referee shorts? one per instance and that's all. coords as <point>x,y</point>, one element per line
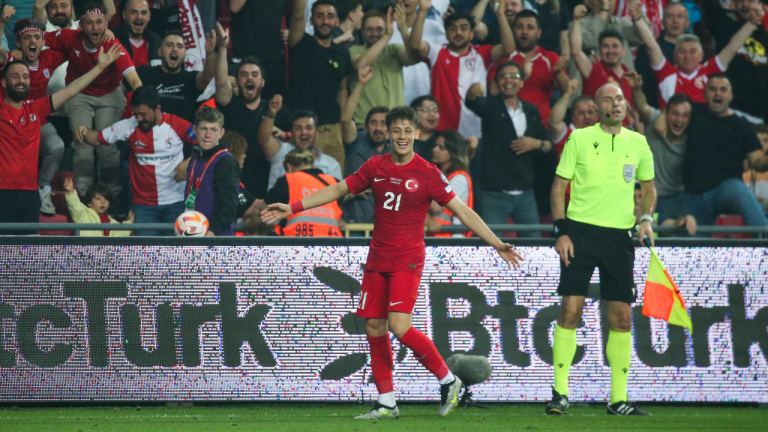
<point>610,250</point>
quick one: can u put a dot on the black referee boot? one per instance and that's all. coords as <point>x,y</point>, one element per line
<point>625,408</point>
<point>558,405</point>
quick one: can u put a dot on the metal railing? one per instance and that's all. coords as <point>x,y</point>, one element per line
<point>367,229</point>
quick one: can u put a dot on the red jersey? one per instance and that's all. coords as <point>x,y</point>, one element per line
<point>20,142</point>
<point>82,59</point>
<point>560,141</point>
<point>539,83</point>
<point>452,75</point>
<point>154,156</point>
<point>672,81</point>
<point>140,53</point>
<point>401,199</point>
<point>599,77</point>
<point>39,75</point>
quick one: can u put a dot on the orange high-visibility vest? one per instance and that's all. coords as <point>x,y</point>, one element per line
<point>320,221</point>
<point>446,217</point>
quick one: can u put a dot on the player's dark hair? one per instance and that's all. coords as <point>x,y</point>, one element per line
<point>251,60</point>
<point>510,63</point>
<point>457,149</point>
<point>28,22</point>
<point>11,63</point>
<point>145,95</point>
<point>173,33</point>
<point>678,99</point>
<point>610,33</point>
<point>375,110</point>
<point>456,16</point>
<point>403,113</point>
<point>527,13</point>
<point>300,114</point>
<point>100,189</point>
<point>319,3</point>
<point>89,6</point>
<point>344,7</point>
<point>209,115</point>
<point>416,103</point>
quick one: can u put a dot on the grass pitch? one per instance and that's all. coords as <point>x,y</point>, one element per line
<point>339,417</point>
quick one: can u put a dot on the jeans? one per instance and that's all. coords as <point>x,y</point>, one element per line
<point>671,206</point>
<point>497,207</point>
<point>731,197</point>
<point>166,213</point>
<point>19,206</point>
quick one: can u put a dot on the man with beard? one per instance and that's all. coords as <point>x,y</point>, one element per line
<point>179,88</point>
<point>386,87</point>
<point>102,102</point>
<point>748,72</point>
<point>142,44</point>
<point>609,68</point>
<point>57,15</point>
<point>667,135</point>
<point>318,72</point>
<point>688,74</point>
<point>244,113</point>
<point>41,63</point>
<point>513,139</point>
<point>20,124</point>
<point>718,143</point>
<point>304,134</point>
<point>458,64</point>
<point>543,68</point>
<point>156,143</point>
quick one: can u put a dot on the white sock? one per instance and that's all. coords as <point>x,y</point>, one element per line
<point>388,399</point>
<point>447,379</point>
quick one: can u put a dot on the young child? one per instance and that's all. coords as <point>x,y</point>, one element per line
<point>97,197</point>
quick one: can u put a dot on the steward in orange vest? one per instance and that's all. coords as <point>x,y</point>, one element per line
<point>301,181</point>
<point>446,217</point>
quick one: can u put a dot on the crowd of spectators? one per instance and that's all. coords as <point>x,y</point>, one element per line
<point>303,86</point>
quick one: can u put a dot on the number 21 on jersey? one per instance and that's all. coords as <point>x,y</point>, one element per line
<point>391,197</point>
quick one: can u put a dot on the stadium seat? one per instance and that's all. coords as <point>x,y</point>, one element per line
<point>57,218</point>
<point>730,220</point>
<point>58,192</point>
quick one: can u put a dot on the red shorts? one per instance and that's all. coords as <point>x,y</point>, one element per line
<point>388,292</point>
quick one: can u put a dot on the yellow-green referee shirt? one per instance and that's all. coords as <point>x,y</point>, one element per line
<point>602,168</point>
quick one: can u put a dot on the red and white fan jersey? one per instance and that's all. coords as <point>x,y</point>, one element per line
<point>672,81</point>
<point>39,75</point>
<point>154,156</point>
<point>452,75</point>
<point>82,59</point>
<point>560,141</point>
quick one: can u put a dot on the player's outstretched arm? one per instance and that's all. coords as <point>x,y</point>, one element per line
<point>278,211</point>
<point>78,85</point>
<point>471,220</point>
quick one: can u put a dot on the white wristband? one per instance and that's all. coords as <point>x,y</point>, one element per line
<point>646,218</point>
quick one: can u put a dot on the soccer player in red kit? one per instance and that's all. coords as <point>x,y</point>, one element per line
<point>404,185</point>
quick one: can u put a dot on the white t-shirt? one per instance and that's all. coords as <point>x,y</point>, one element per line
<point>460,187</point>
<point>417,77</point>
<point>325,163</point>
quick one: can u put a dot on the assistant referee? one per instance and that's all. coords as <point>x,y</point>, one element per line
<point>601,163</point>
